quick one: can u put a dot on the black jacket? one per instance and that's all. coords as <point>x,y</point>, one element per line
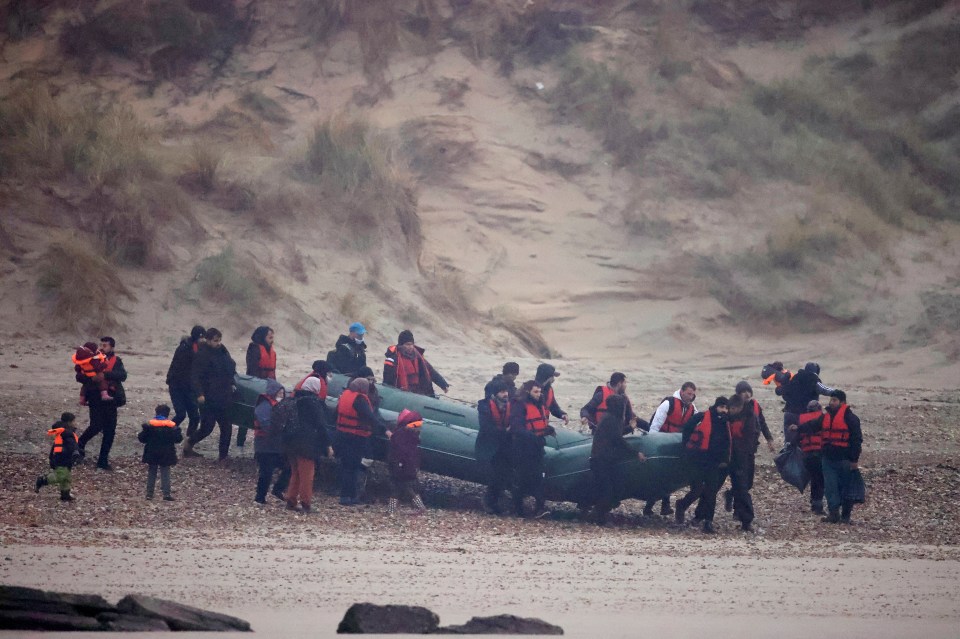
<point>347,356</point>
<point>67,456</point>
<point>160,444</point>
<point>212,375</point>
<point>424,385</point>
<point>608,442</point>
<point>850,453</point>
<point>801,390</point>
<point>492,440</point>
<point>182,364</point>
<point>115,378</point>
<point>718,449</point>
<point>310,439</point>
<point>526,445</point>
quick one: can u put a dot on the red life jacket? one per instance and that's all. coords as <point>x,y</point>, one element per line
<point>348,420</point>
<point>196,347</point>
<point>162,423</point>
<point>536,421</point>
<point>409,370</point>
<point>323,385</point>
<point>268,362</point>
<point>835,430</point>
<point>109,362</point>
<point>700,437</point>
<point>602,408</point>
<point>736,425</point>
<point>501,419</point>
<point>87,366</point>
<point>677,415</point>
<point>57,434</point>
<point>810,442</point>
<point>548,399</point>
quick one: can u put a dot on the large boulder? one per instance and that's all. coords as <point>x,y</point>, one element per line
<point>119,622</point>
<point>179,616</point>
<point>17,597</point>
<point>368,618</point>
<point>502,625</point>
<point>27,620</point>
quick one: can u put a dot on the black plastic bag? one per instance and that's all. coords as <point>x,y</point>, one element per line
<point>789,463</point>
<point>856,492</point>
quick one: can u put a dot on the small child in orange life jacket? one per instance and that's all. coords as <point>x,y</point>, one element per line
<point>62,455</point>
<point>160,437</point>
<point>91,363</point>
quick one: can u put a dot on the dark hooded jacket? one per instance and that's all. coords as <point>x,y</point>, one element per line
<point>348,356</point>
<point>801,390</point>
<point>257,340</point>
<point>718,450</point>
<point>404,454</point>
<point>66,457</point>
<point>115,378</point>
<point>310,439</point>
<point>428,374</point>
<point>608,443</point>
<point>160,444</point>
<point>266,439</point>
<point>178,375</point>
<point>212,376</point>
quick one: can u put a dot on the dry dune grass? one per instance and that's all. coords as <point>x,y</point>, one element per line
<point>83,288</point>
<point>526,332</point>
<point>235,281</point>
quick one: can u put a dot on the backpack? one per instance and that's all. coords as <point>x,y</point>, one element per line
<point>284,417</point>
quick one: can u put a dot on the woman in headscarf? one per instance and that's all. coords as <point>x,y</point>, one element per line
<point>261,362</point>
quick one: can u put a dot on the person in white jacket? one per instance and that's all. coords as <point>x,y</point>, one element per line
<point>672,413</point>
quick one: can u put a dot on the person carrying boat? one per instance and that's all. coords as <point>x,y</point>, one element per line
<point>546,375</point>
<point>528,430</point>
<point>593,411</point>
<point>608,451</point>
<point>404,367</point>
<point>706,441</point>
<point>670,416</point>
<point>493,442</point>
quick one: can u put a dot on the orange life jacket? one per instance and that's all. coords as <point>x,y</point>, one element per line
<point>810,442</point>
<point>536,419</point>
<point>501,419</point>
<point>162,423</point>
<point>602,408</point>
<point>836,433</point>
<point>348,420</point>
<point>408,370</point>
<point>548,399</point>
<point>87,365</point>
<point>57,434</point>
<point>736,425</point>
<point>268,362</point>
<point>109,361</point>
<point>773,378</point>
<point>700,437</point>
<point>677,415</point>
<point>323,385</point>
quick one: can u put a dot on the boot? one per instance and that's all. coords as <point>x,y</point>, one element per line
<point>648,509</point>
<point>665,508</point>
<point>746,527</point>
<point>708,527</point>
<point>41,482</point>
<point>419,505</point>
<point>168,498</point>
<point>65,495</point>
<point>728,501</point>
<point>188,450</point>
<point>361,486</point>
<point>833,517</point>
<point>518,506</point>
<point>845,513</point>
<point>816,508</point>
<point>105,396</point>
<point>681,511</point>
<point>392,506</point>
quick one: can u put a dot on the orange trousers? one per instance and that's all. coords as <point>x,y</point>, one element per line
<point>301,481</point>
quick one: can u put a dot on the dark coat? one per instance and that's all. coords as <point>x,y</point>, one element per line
<point>115,378</point>
<point>526,445</point>
<point>608,443</point>
<point>266,438</point>
<point>718,449</point>
<point>347,356</point>
<point>212,375</point>
<point>589,409</point>
<point>182,364</point>
<point>160,444</point>
<point>310,440</point>
<point>850,453</point>
<point>257,340</point>
<point>492,440</point>
<point>66,457</point>
<point>404,454</point>
<point>424,385</point>
<point>800,391</point>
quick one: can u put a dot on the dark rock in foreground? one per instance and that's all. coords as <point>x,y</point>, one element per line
<point>502,625</point>
<point>368,618</point>
<point>34,598</point>
<point>28,620</point>
<point>119,622</point>
<point>179,616</point>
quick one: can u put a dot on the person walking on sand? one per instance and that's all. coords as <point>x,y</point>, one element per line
<point>160,437</point>
<point>305,440</point>
<point>811,444</point>
<point>670,416</point>
<point>755,426</point>
<point>268,448</point>
<point>804,387</point>
<point>178,380</point>
<point>403,459</point>
<point>212,382</point>
<point>62,456</point>
<point>349,354</point>
<point>607,452</point>
<point>404,367</point>
<point>261,363</point>
<point>529,429</point>
<point>493,445</point>
<point>594,410</point>
<point>103,414</point>
<point>706,441</point>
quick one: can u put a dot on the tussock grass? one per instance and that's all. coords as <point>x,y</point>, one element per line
<point>84,288</point>
<point>527,333</point>
<point>227,279</point>
<point>265,107</point>
<point>449,294</point>
<point>22,18</point>
<point>203,167</point>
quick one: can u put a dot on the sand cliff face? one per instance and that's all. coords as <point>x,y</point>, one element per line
<point>627,232</point>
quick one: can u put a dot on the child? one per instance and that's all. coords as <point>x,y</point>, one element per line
<point>62,454</point>
<point>160,437</point>
<point>404,461</point>
<point>90,364</point>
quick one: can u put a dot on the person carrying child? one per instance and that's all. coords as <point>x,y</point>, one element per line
<point>90,364</point>
<point>404,461</point>
<point>160,437</point>
<point>62,455</point>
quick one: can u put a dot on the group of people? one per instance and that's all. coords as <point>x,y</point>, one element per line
<point>292,433</point>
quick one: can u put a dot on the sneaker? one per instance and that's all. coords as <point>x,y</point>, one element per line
<point>832,518</point>
<point>816,509</point>
<point>278,494</point>
<point>291,505</point>
<point>168,498</point>
<point>191,453</point>
<point>41,482</point>
<point>65,495</point>
<point>648,510</point>
<point>260,500</point>
<point>305,508</point>
<point>149,497</point>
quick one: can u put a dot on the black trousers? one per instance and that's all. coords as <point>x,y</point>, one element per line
<point>350,450</point>
<point>528,480</point>
<point>210,415</point>
<point>103,419</point>
<point>741,481</point>
<point>267,464</point>
<point>606,478</point>
<point>500,475</point>
<point>815,470</point>
<point>185,406</point>
<point>706,484</point>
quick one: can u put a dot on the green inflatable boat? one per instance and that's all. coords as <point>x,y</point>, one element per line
<point>448,443</point>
